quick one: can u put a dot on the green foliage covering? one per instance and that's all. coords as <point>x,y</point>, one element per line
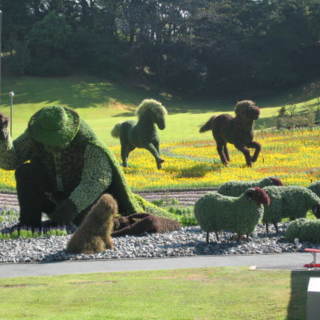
<point>304,230</point>
<point>142,134</point>
<point>54,126</point>
<point>184,215</point>
<point>289,202</point>
<point>151,105</point>
<point>315,187</point>
<point>236,188</point>
<point>151,208</point>
<point>115,132</point>
<point>217,212</point>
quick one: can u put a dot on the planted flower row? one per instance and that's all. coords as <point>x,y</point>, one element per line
<point>290,155</point>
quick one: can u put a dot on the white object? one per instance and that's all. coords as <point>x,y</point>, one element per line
<point>313,299</point>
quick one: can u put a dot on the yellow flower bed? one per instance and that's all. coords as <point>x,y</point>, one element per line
<point>293,156</point>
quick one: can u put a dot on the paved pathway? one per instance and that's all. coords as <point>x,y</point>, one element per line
<point>287,261</point>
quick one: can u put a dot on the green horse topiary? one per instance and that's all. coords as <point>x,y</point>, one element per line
<point>142,134</point>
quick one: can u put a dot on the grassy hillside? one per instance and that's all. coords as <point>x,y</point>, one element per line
<point>104,104</point>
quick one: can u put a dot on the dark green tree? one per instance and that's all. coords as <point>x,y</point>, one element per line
<point>48,43</point>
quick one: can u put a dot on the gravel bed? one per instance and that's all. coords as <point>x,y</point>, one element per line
<point>189,241</point>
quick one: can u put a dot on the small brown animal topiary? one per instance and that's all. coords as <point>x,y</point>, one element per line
<point>140,223</point>
<point>94,233</point>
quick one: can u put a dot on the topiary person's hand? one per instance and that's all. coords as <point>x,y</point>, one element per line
<point>4,121</point>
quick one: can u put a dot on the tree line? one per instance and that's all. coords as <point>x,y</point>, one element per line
<point>192,46</point>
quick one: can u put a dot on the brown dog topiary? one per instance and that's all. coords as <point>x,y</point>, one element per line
<point>94,233</point>
<point>140,223</point>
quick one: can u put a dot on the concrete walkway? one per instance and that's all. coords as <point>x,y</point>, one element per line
<point>289,261</point>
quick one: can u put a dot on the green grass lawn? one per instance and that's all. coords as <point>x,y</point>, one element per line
<point>211,293</point>
<point>103,104</point>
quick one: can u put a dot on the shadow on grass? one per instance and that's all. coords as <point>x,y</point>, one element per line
<point>298,299</point>
<point>264,123</point>
<point>76,92</point>
<point>198,171</point>
<point>86,91</point>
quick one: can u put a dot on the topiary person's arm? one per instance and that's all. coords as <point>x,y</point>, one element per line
<point>96,178</point>
<point>14,153</point>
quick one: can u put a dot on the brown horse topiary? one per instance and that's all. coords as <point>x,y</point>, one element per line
<point>236,130</point>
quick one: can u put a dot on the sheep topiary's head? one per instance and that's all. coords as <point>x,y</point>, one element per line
<point>259,195</point>
<point>276,181</point>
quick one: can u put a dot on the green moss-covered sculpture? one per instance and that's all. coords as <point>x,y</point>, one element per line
<point>289,202</point>
<point>142,134</point>
<point>304,230</point>
<point>236,188</point>
<point>62,168</point>
<point>315,187</point>
<point>216,212</point>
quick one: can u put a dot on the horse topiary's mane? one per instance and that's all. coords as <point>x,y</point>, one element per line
<point>152,105</point>
<point>242,106</point>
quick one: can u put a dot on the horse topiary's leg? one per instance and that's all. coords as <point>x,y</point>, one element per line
<point>156,145</point>
<point>220,149</point>
<point>125,150</point>
<point>153,150</point>
<point>255,145</point>
<point>124,156</point>
<point>226,152</point>
<point>246,154</point>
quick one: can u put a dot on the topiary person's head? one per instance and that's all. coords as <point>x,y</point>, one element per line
<point>54,127</point>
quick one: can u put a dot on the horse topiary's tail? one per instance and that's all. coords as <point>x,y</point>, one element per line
<point>207,126</point>
<point>115,132</point>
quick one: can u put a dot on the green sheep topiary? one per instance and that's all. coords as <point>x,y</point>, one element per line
<point>304,230</point>
<point>216,212</point>
<point>142,134</point>
<point>315,187</point>
<point>289,202</point>
<point>236,188</point>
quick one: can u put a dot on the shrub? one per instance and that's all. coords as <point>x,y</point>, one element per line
<point>290,119</point>
<point>184,215</point>
<point>28,233</point>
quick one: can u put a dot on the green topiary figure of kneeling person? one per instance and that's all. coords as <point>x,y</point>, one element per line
<point>61,169</point>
